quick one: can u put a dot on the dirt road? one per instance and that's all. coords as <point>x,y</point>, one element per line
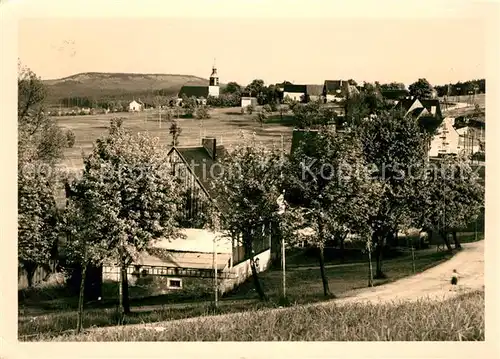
<point>434,283</point>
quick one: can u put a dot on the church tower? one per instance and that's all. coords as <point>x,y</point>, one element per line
<point>213,88</point>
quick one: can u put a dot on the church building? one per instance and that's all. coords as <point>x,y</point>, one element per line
<point>201,93</point>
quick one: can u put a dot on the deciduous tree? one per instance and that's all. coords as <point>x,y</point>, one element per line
<point>248,187</point>
<point>129,181</point>
<point>327,176</point>
<point>421,88</point>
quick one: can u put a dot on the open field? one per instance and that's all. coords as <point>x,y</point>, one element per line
<point>303,286</point>
<point>225,124</point>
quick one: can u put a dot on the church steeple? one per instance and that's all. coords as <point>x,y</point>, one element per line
<point>213,88</point>
<point>214,78</point>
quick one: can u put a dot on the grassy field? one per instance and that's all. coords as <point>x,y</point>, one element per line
<point>457,319</point>
<point>480,99</point>
<point>225,124</point>
<point>37,320</point>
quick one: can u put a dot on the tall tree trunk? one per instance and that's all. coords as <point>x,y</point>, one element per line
<point>446,240</point>
<point>256,280</point>
<point>379,274</point>
<point>30,272</point>
<point>326,288</point>
<point>125,299</point>
<point>342,248</point>
<point>79,322</point>
<point>455,240</point>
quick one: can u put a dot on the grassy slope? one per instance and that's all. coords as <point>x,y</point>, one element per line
<point>117,85</point>
<point>460,318</point>
<point>303,286</point>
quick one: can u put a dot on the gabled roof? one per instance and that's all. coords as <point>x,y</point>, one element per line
<point>200,163</point>
<point>314,90</point>
<point>295,88</point>
<point>196,91</point>
<point>430,103</point>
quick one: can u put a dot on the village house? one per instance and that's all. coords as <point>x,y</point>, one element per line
<point>135,106</point>
<point>295,92</point>
<point>314,92</point>
<point>201,93</point>
<point>338,90</point>
<point>197,167</point>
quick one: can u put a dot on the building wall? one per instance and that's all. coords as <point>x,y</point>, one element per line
<point>295,96</point>
<point>134,106</point>
<point>213,91</point>
<point>446,141</point>
<point>242,271</point>
<point>246,101</point>
<point>334,98</point>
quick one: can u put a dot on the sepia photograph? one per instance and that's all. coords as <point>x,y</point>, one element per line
<point>252,178</point>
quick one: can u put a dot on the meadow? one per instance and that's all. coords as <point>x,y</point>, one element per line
<point>456,319</point>
<point>226,125</point>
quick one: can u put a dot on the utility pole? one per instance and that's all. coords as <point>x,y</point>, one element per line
<point>281,210</point>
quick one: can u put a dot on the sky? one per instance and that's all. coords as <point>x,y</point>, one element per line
<point>303,50</point>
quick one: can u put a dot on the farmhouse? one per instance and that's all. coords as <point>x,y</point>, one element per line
<point>338,90</point>
<point>201,93</point>
<point>135,106</point>
<point>197,167</point>
<point>314,92</point>
<point>194,254</point>
<point>295,92</point>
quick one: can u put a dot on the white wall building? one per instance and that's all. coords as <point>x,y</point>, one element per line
<point>135,106</point>
<point>246,101</point>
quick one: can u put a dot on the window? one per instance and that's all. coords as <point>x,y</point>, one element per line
<point>174,283</point>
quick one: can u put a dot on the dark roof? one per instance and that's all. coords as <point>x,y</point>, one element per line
<point>405,104</point>
<point>331,86</point>
<point>314,90</point>
<point>428,103</point>
<point>196,91</point>
<point>396,94</point>
<point>200,162</point>
<point>295,88</point>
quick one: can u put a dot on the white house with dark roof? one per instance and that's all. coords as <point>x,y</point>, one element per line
<point>295,92</point>
<point>338,90</point>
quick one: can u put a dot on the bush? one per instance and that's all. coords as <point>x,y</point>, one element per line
<point>250,109</point>
<point>202,112</point>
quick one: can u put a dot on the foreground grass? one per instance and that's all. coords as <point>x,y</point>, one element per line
<point>303,286</point>
<point>460,318</point>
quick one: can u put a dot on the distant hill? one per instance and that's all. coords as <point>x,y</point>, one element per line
<point>117,86</point>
